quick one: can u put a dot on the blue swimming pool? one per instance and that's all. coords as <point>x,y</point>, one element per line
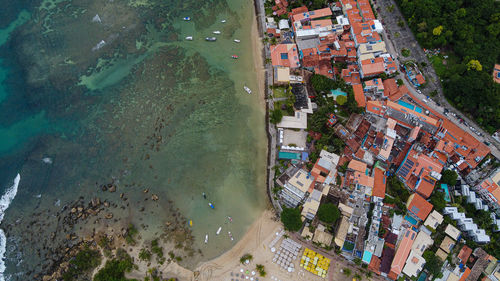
<point>410,106</point>
<point>446,192</point>
<point>422,277</point>
<point>337,92</point>
<point>411,220</point>
<point>367,256</point>
<point>288,155</point>
<point>407,105</point>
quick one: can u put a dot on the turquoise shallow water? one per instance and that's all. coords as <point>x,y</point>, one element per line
<point>146,110</point>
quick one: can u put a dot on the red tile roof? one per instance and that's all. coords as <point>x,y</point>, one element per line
<point>418,206</point>
<point>420,79</point>
<point>285,55</point>
<point>359,95</point>
<point>372,67</point>
<point>464,254</point>
<point>379,185</point>
<point>403,251</point>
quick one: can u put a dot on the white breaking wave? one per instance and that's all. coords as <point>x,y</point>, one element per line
<point>5,201</point>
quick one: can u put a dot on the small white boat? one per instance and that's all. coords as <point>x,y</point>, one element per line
<point>186,18</point>
<point>211,39</point>
<point>247,89</point>
<point>189,38</point>
<point>237,40</point>
<point>206,238</point>
<point>216,32</point>
<point>230,235</point>
<point>218,230</point>
<point>223,21</point>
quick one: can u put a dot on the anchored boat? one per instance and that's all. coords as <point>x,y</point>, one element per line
<point>190,223</point>
<point>206,238</point>
<point>237,40</point>
<point>216,32</point>
<point>189,38</point>
<point>211,205</point>
<point>186,18</point>
<point>230,235</point>
<point>223,21</point>
<point>247,89</point>
<point>218,230</point>
<point>234,57</point>
<point>211,39</point>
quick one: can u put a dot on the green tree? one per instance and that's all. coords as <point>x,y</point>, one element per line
<point>400,82</point>
<point>291,219</point>
<point>474,64</point>
<point>328,213</point>
<point>341,100</point>
<point>437,199</point>
<point>449,177</point>
<point>437,31</point>
<point>432,263</point>
<point>276,116</point>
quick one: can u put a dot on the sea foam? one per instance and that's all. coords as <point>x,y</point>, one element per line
<point>5,201</point>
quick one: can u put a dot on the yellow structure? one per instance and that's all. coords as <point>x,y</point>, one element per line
<point>315,263</point>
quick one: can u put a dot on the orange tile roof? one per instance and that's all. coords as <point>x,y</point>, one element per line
<point>321,23</point>
<point>464,254</point>
<point>403,251</point>
<point>359,95</point>
<point>362,178</point>
<point>418,206</point>
<point>372,66</point>
<point>421,116</point>
<point>426,186</point>
<point>299,10</point>
<point>465,274</point>
<point>420,79</point>
<point>379,184</point>
<point>375,83</point>
<point>390,87</point>
<point>285,55</point>
<point>374,107</point>
<point>357,166</point>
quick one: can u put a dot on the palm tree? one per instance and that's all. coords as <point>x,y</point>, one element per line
<point>268,61</point>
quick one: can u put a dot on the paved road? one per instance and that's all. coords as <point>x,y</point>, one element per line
<point>402,37</point>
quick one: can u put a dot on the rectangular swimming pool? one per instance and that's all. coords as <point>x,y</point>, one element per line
<point>288,155</point>
<point>411,220</point>
<point>410,106</point>
<point>367,256</point>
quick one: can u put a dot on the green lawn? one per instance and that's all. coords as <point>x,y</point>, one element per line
<point>279,92</point>
<point>278,104</point>
<point>437,63</point>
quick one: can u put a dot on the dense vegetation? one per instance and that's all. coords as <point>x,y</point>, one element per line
<point>291,219</point>
<point>398,191</point>
<point>449,177</point>
<point>433,264</point>
<point>84,261</point>
<point>115,269</point>
<point>469,33</point>
<point>328,213</point>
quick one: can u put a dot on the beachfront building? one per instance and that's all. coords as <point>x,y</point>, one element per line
<point>295,189</point>
<point>285,55</point>
<point>311,205</point>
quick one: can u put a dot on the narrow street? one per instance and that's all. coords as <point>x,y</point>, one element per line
<point>402,37</point>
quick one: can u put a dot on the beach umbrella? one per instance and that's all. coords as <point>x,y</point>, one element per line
<point>241,270</point>
<point>273,249</point>
<point>253,272</point>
